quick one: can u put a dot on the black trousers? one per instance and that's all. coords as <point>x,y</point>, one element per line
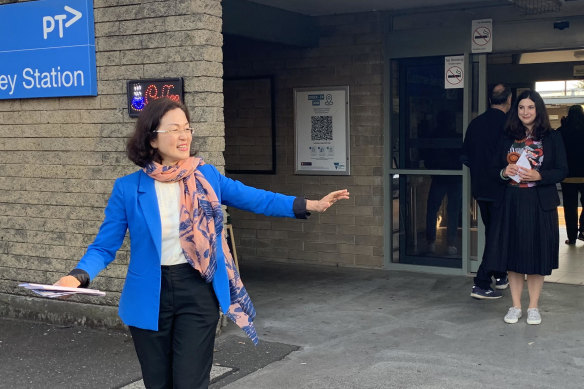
<point>483,278</point>
<point>180,354</point>
<point>570,200</point>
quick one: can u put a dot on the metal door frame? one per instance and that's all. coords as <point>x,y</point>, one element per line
<point>389,171</point>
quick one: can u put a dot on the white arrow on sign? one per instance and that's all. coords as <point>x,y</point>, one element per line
<point>77,15</point>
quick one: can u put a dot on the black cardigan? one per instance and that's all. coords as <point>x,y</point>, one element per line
<point>573,139</point>
<point>480,144</point>
<point>554,168</point>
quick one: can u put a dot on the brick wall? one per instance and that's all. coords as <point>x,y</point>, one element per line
<point>350,233</point>
<point>248,124</point>
<point>60,156</point>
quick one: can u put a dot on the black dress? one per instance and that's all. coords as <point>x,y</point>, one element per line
<point>524,235</point>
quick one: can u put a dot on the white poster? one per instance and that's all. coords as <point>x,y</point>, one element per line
<point>454,72</point>
<point>482,36</point>
<point>321,120</point>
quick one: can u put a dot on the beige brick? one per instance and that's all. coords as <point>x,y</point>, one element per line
<point>209,143</point>
<point>107,29</point>
<point>338,259</point>
<point>203,84</point>
<point>211,7</point>
<point>44,250</point>
<point>10,105</point>
<point>105,87</point>
<point>175,39</point>
<point>184,69</point>
<point>355,210</point>
<point>113,43</point>
<point>67,199</point>
<point>122,72</point>
<point>193,22</point>
<point>369,240</point>
<point>205,99</point>
<point>369,261</point>
<point>142,26</point>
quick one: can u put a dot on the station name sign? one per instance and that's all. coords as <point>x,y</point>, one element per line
<point>142,92</point>
<point>47,49</point>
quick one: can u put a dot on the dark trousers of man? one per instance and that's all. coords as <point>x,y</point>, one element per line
<point>483,278</point>
<point>440,187</point>
<point>180,354</point>
<point>570,201</point>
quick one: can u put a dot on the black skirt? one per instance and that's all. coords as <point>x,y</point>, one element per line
<point>523,238</point>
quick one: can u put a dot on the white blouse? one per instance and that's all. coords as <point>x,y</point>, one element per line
<point>168,194</point>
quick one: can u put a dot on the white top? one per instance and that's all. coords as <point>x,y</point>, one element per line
<point>168,194</point>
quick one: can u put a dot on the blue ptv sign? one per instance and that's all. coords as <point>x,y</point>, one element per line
<point>47,49</point>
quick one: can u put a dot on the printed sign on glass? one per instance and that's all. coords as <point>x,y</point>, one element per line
<point>454,72</point>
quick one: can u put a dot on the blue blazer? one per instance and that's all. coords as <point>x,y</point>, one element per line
<point>133,206</point>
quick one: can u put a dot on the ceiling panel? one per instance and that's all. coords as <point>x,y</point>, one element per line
<point>330,7</point>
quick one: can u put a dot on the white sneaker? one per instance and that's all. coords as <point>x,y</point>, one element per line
<point>513,315</point>
<point>533,316</point>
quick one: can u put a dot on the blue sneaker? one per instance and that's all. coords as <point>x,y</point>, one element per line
<point>485,294</point>
<point>501,283</point>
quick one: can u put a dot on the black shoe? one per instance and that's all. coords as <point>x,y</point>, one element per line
<point>501,283</point>
<point>485,294</point>
<point>570,242</point>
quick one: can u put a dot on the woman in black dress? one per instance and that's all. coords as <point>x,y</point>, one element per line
<point>525,232</point>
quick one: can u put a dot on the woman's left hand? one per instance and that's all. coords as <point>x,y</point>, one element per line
<point>328,200</point>
<point>529,175</point>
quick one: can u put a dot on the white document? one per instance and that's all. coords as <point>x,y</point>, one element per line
<point>53,291</point>
<point>521,162</point>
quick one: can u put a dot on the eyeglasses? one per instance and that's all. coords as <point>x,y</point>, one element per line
<point>176,131</point>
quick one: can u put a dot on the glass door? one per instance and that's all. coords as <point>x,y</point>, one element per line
<point>427,175</point>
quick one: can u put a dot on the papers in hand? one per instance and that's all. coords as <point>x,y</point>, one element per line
<point>53,291</point>
<point>521,162</point>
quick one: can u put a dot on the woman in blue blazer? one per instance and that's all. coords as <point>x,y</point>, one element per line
<point>180,271</point>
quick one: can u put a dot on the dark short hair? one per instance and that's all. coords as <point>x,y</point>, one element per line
<point>575,110</point>
<point>499,96</point>
<point>541,125</point>
<point>138,147</point>
<point>575,118</point>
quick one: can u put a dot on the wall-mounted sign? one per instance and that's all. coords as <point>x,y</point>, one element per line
<point>454,72</point>
<point>141,92</point>
<point>482,36</point>
<point>321,121</point>
<point>578,70</point>
<point>47,49</point>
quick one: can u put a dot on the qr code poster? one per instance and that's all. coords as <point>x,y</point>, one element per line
<point>321,119</point>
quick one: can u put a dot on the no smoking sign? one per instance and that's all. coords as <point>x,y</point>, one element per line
<point>454,72</point>
<point>482,36</point>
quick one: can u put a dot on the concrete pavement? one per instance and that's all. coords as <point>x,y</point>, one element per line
<point>324,327</point>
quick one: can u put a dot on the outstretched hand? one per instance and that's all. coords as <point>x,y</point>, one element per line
<point>328,200</point>
<point>68,281</point>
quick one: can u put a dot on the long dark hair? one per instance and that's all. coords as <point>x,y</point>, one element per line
<point>541,125</point>
<point>138,147</point>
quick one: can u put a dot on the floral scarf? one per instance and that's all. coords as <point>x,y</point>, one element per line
<point>201,222</point>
